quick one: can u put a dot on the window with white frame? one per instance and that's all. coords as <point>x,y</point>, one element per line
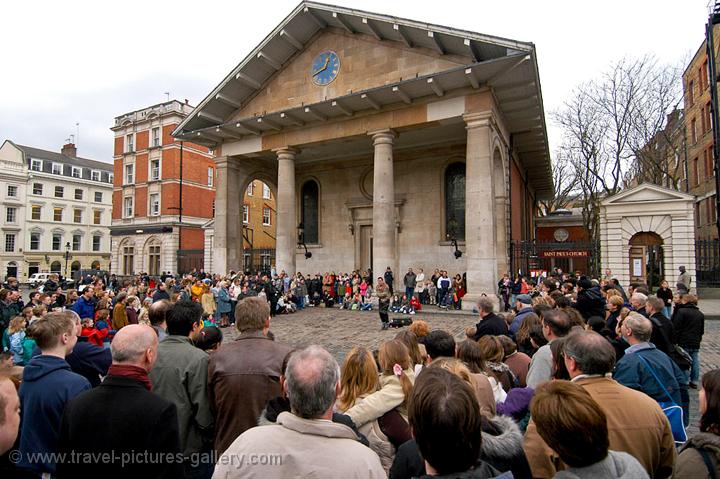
<point>36,165</point>
<point>36,212</point>
<point>78,193</point>
<point>129,174</point>
<point>77,216</point>
<point>34,241</point>
<point>246,214</point>
<point>155,204</point>
<point>128,207</point>
<point>251,188</point>
<point>266,216</point>
<point>56,241</point>
<point>95,175</point>
<point>266,191</point>
<point>155,133</point>
<point>98,197</point>
<point>97,217</point>
<point>9,242</point>
<point>11,215</point>
<point>57,214</point>
<point>129,143</point>
<point>59,191</point>
<point>111,177</point>
<point>77,242</point>
<point>96,242</point>
<point>76,172</point>
<point>154,170</point>
<point>57,169</point>
<point>12,191</point>
<point>211,176</point>
<point>37,188</point>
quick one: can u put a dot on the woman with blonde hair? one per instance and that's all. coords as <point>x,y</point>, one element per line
<point>358,380</point>
<point>466,366</point>
<point>396,382</point>
<point>207,299</point>
<point>410,341</point>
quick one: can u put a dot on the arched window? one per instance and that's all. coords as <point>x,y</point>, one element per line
<point>75,266</point>
<point>55,267</point>
<point>95,265</point>
<point>455,200</point>
<point>310,201</point>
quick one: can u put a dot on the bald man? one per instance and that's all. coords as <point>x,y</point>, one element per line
<point>136,428</point>
<point>9,414</point>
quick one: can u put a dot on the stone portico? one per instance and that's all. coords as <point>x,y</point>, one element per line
<point>410,101</point>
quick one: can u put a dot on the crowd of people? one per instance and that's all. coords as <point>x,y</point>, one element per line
<point>566,376</point>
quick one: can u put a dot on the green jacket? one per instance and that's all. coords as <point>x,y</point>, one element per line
<point>180,375</point>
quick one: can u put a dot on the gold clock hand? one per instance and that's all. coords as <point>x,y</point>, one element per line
<point>327,61</point>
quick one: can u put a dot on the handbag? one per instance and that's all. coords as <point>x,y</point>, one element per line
<point>672,411</point>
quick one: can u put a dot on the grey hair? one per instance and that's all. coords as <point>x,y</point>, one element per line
<point>657,304</point>
<point>640,326</point>
<point>130,348</point>
<point>640,298</point>
<point>486,305</point>
<point>592,353</point>
<point>311,377</point>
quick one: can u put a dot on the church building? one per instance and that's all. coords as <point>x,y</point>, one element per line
<point>386,142</point>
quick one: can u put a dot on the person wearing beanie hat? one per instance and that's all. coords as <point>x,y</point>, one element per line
<point>590,301</point>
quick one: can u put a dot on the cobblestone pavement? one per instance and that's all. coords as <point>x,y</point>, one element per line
<point>338,331</point>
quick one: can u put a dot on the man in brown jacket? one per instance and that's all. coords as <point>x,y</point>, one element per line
<point>243,375</point>
<point>636,424</point>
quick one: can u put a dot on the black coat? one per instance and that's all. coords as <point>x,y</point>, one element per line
<point>663,333</point>
<point>590,303</point>
<point>689,324</point>
<point>491,324</point>
<point>121,417</point>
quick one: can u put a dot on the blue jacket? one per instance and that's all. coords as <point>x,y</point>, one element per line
<point>48,385</point>
<point>632,372</point>
<point>84,308</point>
<point>223,301</point>
<point>517,321</point>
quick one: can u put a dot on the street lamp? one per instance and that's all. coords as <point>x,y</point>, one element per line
<point>301,240</point>
<point>452,229</point>
<point>67,257</point>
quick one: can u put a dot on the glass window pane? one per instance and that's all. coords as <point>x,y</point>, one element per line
<point>455,200</point>
<point>310,211</point>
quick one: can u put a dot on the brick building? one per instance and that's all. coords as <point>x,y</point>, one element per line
<point>164,192</point>
<point>699,140</point>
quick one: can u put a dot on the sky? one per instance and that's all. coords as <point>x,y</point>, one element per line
<point>87,62</point>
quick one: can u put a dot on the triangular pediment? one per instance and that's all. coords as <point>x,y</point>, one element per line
<point>646,193</point>
<point>365,63</point>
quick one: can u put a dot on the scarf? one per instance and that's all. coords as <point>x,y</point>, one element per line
<point>131,371</point>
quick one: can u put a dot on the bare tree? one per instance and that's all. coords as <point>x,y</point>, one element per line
<point>563,182</point>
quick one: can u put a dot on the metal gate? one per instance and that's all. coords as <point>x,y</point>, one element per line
<point>532,255</point>
<point>707,263</point>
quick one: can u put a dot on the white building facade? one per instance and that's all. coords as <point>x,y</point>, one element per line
<point>56,209</point>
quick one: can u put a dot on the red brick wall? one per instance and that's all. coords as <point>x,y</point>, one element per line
<point>167,138</point>
<point>577,233</point>
<point>194,165</point>
<point>142,140</point>
<point>196,201</point>
<point>141,167</point>
<point>141,201</point>
<point>192,238</point>
<point>118,172</point>
<point>119,144</point>
<point>117,204</point>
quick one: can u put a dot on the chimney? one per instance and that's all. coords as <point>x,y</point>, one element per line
<point>69,150</point>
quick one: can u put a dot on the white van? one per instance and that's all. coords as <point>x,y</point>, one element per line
<point>37,279</point>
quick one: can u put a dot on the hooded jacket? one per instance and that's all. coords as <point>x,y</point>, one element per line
<point>690,462</point>
<point>617,465</point>
<point>48,385</point>
<point>590,303</point>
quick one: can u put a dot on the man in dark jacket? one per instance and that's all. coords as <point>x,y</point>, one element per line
<point>161,293</point>
<point>388,277</point>
<point>490,323</point>
<point>180,376</point>
<point>663,333</point>
<point>243,375</point>
<point>132,431</point>
<point>689,324</point>
<point>85,305</point>
<point>590,301</point>
<point>409,281</point>
<point>48,385</point>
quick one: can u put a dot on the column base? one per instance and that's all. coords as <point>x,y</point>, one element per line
<point>470,300</point>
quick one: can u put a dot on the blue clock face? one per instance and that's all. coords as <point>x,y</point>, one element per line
<point>325,68</point>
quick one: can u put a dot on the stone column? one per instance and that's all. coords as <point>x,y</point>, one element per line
<point>384,250</point>
<point>480,223</point>
<point>228,250</point>
<point>286,211</point>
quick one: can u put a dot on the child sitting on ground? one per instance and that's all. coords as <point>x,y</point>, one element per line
<point>395,304</point>
<point>347,302</point>
<point>415,304</point>
<point>405,307</point>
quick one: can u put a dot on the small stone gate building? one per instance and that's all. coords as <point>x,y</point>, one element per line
<point>646,233</point>
<point>384,138</point>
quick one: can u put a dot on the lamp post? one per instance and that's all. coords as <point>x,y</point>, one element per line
<point>67,257</point>
<point>301,240</point>
<point>452,231</point>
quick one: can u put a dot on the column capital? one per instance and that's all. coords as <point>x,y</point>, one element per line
<point>286,153</point>
<point>221,161</point>
<point>478,120</point>
<point>383,137</point>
